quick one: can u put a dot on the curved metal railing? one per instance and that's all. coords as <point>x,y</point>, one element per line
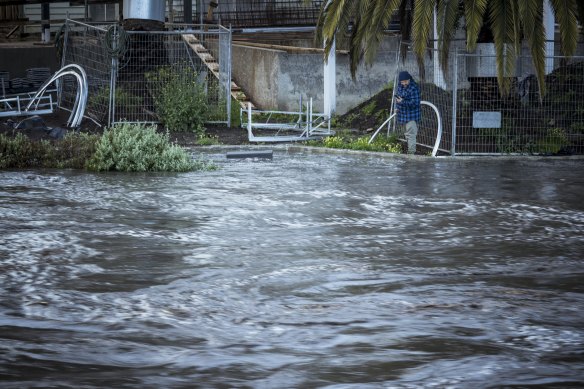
<point>438,134</point>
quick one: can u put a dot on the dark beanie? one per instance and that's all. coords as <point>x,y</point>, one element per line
<point>404,76</point>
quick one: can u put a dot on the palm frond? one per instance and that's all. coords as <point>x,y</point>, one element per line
<point>372,18</point>
<point>474,11</point>
<point>447,19</point>
<point>421,25</point>
<point>333,14</point>
<point>502,22</point>
<point>565,12</point>
<point>380,16</point>
<point>531,12</point>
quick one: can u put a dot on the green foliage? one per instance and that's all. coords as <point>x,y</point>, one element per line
<point>344,141</point>
<point>179,99</point>
<point>75,149</point>
<point>334,142</point>
<point>554,141</point>
<point>208,140</point>
<point>217,112</point>
<point>577,127</point>
<point>335,121</point>
<point>133,147</point>
<point>125,101</point>
<point>369,108</point>
<point>70,152</point>
<point>122,98</point>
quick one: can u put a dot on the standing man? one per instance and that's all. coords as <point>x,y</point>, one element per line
<point>407,99</point>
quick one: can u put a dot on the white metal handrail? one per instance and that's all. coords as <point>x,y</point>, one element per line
<point>316,126</point>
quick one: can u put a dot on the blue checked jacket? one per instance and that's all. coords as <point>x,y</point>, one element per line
<point>409,108</point>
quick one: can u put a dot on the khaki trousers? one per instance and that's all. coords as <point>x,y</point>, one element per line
<point>410,134</point>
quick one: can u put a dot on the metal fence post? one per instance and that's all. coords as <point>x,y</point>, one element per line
<point>454,99</point>
<point>113,76</point>
<point>228,81</point>
<point>63,62</point>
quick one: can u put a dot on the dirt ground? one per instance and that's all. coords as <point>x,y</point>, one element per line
<point>53,126</point>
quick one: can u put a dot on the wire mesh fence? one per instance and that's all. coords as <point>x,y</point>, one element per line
<point>477,118</point>
<point>124,69</point>
<point>520,121</point>
<point>82,44</point>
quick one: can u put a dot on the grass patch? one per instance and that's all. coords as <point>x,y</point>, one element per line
<point>345,140</point>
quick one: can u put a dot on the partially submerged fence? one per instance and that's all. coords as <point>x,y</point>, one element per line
<point>121,65</point>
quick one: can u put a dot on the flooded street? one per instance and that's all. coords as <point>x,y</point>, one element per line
<point>306,271</point>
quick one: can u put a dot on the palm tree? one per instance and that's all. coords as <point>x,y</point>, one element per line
<point>362,24</point>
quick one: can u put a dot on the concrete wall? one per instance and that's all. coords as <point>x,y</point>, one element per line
<point>275,79</point>
<point>255,71</point>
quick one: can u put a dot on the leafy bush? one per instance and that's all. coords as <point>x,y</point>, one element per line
<point>554,141</point>
<point>134,147</point>
<point>179,99</point>
<point>70,152</point>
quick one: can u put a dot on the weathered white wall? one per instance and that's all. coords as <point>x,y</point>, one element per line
<point>275,79</point>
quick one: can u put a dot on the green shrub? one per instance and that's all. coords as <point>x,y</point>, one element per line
<point>70,152</point>
<point>125,101</point>
<point>554,141</point>
<point>134,147</point>
<point>334,142</point>
<point>15,151</point>
<point>179,99</point>
<point>370,108</point>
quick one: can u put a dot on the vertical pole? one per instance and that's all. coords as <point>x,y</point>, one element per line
<point>330,90</point>
<point>438,74</point>
<point>249,133</point>
<point>113,76</point>
<point>454,98</point>
<point>188,11</point>
<point>549,23</point>
<point>391,123</point>
<point>63,62</point>
<point>228,87</point>
<point>310,118</point>
<point>46,26</point>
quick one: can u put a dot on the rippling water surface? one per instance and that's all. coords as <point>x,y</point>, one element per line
<point>306,271</point>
